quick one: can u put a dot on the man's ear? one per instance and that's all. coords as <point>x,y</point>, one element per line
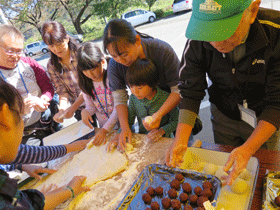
<point>6,118</point>
<point>255,5</point>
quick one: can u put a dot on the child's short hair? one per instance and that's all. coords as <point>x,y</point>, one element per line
<point>142,72</point>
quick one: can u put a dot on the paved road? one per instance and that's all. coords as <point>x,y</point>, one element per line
<point>172,30</point>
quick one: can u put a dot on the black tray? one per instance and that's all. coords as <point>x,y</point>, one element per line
<point>160,175</point>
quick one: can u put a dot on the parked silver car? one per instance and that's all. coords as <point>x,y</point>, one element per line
<point>78,37</point>
<point>35,48</point>
<point>139,16</point>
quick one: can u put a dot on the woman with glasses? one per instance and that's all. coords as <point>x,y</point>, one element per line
<point>62,68</point>
<point>32,82</point>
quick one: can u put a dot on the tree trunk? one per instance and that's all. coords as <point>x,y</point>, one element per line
<point>78,27</point>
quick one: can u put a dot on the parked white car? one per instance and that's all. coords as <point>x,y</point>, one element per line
<point>139,16</point>
<point>35,48</point>
<point>181,5</point>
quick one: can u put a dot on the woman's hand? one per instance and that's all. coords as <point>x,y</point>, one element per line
<point>155,134</point>
<point>99,138</point>
<point>76,185</point>
<point>86,118</point>
<point>238,160</point>
<point>125,137</point>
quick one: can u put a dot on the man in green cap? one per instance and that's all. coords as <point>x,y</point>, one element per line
<point>238,45</point>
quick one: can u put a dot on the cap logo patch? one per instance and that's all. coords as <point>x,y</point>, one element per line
<point>210,6</point>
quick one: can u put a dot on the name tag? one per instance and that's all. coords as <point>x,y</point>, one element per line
<point>248,115</point>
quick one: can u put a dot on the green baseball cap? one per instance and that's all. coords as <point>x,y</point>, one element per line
<point>215,20</point>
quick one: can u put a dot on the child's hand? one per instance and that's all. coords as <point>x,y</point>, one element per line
<point>100,138</point>
<point>69,112</point>
<point>153,124</point>
<point>125,137</point>
<point>113,143</point>
<point>155,135</point>
<point>76,185</point>
<point>86,118</point>
<point>58,117</point>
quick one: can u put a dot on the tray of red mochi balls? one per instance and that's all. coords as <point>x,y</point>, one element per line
<point>162,187</point>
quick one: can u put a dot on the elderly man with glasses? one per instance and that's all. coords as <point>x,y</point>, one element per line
<point>30,79</point>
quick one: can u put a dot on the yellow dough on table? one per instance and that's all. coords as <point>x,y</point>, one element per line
<point>94,163</point>
<point>245,174</point>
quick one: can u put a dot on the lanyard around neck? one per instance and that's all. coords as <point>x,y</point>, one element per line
<point>20,77</point>
<point>106,112</point>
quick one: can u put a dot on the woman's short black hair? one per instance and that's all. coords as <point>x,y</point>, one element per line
<point>142,72</point>
<point>9,95</point>
<point>119,31</point>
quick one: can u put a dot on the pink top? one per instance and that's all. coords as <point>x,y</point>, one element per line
<point>93,106</point>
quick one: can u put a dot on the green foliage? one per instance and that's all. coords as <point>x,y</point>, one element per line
<point>159,13</point>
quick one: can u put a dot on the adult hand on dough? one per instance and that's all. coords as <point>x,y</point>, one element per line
<point>238,160</point>
<point>125,137</point>
<point>175,153</point>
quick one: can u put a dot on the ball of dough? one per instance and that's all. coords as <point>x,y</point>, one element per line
<point>245,174</point>
<point>149,119</point>
<point>187,187</point>
<point>207,193</point>
<point>183,197</point>
<point>150,191</point>
<point>146,198</point>
<point>193,199</point>
<point>277,201</point>
<point>176,204</point>
<point>210,168</point>
<point>239,186</point>
<point>207,184</point>
<point>166,203</point>
<point>172,193</point>
<point>175,184</point>
<point>188,207</point>
<point>201,200</point>
<point>220,172</point>
<point>179,177</point>
<point>159,191</point>
<point>129,148</point>
<point>154,205</point>
<point>197,190</point>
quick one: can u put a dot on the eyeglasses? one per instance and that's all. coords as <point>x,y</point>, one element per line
<point>11,51</point>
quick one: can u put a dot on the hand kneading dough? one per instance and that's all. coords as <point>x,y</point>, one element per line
<point>149,119</point>
<point>239,186</point>
<point>210,168</point>
<point>220,172</point>
<point>245,174</point>
<point>94,163</point>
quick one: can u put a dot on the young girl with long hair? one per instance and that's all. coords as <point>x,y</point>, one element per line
<point>97,94</point>
<point>62,68</point>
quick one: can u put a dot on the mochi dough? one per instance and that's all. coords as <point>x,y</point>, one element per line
<point>210,168</point>
<point>220,172</point>
<point>148,119</point>
<point>239,186</point>
<point>245,174</point>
